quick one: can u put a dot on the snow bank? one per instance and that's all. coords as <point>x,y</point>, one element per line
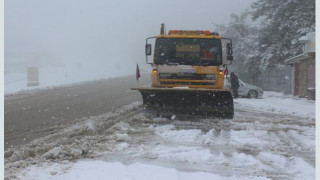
<point>279,103</point>
<point>189,135</point>
<point>191,155</point>
<point>97,170</point>
<point>292,165</point>
<point>249,137</point>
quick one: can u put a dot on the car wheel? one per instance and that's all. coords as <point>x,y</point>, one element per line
<point>253,94</point>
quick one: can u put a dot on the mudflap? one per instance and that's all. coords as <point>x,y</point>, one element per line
<point>193,102</point>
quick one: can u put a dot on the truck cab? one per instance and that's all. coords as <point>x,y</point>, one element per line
<point>190,59</point>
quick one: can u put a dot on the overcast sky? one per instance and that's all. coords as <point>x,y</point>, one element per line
<point>104,31</point>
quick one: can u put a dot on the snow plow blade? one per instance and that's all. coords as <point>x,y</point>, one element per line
<point>202,102</point>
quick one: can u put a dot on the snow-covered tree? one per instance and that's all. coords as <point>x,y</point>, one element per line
<point>256,49</point>
<point>245,41</point>
<point>283,23</point>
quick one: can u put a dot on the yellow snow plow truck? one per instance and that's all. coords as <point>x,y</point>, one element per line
<point>188,74</point>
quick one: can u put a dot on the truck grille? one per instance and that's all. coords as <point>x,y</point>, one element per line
<point>188,76</point>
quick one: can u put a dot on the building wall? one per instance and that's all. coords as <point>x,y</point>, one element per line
<point>304,76</point>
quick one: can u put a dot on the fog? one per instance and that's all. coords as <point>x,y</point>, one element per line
<point>101,34</point>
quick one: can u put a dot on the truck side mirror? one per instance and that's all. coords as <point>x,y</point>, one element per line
<point>229,52</point>
<point>148,50</point>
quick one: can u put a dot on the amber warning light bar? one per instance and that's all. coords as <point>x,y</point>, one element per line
<point>171,32</point>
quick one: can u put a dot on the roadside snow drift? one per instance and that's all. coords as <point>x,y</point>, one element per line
<point>279,103</point>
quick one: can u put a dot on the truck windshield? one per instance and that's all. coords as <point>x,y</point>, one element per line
<point>188,51</point>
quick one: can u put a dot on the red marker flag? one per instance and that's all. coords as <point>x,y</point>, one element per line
<point>226,71</point>
<point>137,73</point>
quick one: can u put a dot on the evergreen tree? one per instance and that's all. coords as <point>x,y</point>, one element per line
<point>245,42</point>
<point>283,23</point>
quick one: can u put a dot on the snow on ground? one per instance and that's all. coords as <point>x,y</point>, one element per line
<point>279,103</point>
<point>98,170</point>
<point>263,141</point>
<point>57,76</point>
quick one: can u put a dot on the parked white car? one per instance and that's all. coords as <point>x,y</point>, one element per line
<point>245,90</point>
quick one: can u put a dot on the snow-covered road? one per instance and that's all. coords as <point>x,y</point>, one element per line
<point>269,138</point>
